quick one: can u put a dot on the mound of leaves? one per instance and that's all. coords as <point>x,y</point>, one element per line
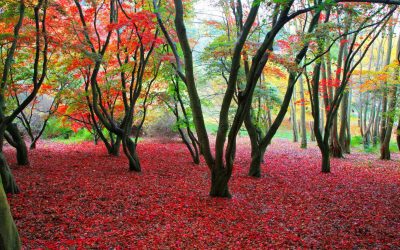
<point>76,196</point>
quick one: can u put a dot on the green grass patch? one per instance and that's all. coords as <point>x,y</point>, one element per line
<point>357,143</point>
<point>80,136</point>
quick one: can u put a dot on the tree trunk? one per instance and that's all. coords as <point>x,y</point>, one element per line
<point>303,125</point>
<point>347,147</point>
<point>322,141</point>
<point>115,146</point>
<point>326,165</point>
<point>255,165</point>
<point>335,148</point>
<point>343,120</point>
<point>22,151</point>
<point>385,150</point>
<point>312,135</point>
<point>294,120</point>
<point>219,183</point>
<point>385,87</point>
<point>384,113</point>
<point>9,185</point>
<point>398,135</point>
<point>321,121</point>
<point>9,238</point>
<point>375,137</point>
<point>190,145</point>
<point>131,153</point>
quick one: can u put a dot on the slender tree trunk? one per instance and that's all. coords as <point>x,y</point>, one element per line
<point>192,142</point>
<point>22,151</point>
<point>322,141</point>
<point>312,135</point>
<point>193,151</point>
<point>375,137</point>
<point>95,139</point>
<point>294,120</point>
<point>303,116</point>
<point>343,121</point>
<point>368,133</point>
<point>384,113</point>
<point>336,149</point>
<point>398,135</point>
<point>377,118</point>
<point>321,121</point>
<point>348,125</point>
<point>385,87</point>
<point>385,150</point>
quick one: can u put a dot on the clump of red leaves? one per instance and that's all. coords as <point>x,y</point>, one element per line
<point>78,196</point>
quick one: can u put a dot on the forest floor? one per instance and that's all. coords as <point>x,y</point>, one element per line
<point>76,196</point>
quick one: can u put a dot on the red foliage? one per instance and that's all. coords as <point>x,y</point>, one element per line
<point>283,44</point>
<point>76,196</point>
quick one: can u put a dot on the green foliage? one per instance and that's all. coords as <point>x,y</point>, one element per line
<point>56,129</point>
<point>80,136</point>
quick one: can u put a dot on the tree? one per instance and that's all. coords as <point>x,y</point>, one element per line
<point>174,100</point>
<point>133,27</point>
<point>349,66</point>
<point>303,115</point>
<point>221,165</point>
<point>385,151</point>
<point>8,234</point>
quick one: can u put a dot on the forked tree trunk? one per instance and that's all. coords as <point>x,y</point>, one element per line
<point>9,238</point>
<point>20,146</point>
